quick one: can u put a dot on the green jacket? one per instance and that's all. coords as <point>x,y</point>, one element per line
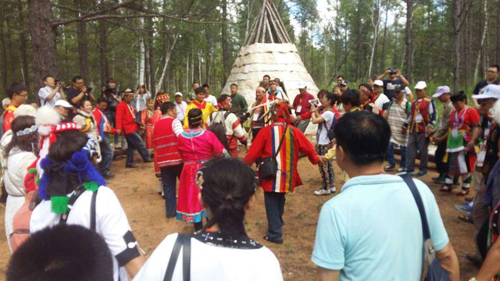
<point>240,105</point>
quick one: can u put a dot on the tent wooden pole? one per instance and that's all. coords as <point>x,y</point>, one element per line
<point>273,22</point>
<point>280,23</point>
<point>269,31</point>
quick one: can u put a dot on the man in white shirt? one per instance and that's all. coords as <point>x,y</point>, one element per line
<point>208,97</point>
<point>180,105</point>
<point>379,98</point>
<point>51,93</point>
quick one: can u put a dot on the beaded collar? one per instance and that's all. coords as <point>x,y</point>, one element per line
<point>217,239</point>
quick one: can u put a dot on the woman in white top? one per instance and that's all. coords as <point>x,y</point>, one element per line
<point>326,122</point>
<point>221,250</point>
<point>86,120</point>
<point>20,154</point>
<point>74,192</point>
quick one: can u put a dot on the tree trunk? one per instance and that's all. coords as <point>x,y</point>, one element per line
<point>43,40</point>
<point>225,56</point>
<point>376,23</point>
<point>151,52</point>
<point>498,33</point>
<point>382,56</point>
<point>142,61</point>
<point>12,55</point>
<point>483,37</point>
<point>22,45</point>
<point>81,34</point>
<point>249,14</point>
<point>408,40</point>
<point>3,57</point>
<point>167,60</point>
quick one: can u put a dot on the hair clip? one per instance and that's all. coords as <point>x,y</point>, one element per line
<point>26,131</point>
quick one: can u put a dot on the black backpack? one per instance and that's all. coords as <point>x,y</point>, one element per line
<point>219,129</point>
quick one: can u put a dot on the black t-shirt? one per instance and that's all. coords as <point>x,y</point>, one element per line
<point>112,103</point>
<point>390,85</point>
<point>72,93</point>
<point>492,145</point>
<point>481,84</point>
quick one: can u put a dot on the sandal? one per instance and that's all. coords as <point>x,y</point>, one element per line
<point>445,188</point>
<point>463,192</point>
<point>266,237</point>
<point>466,218</point>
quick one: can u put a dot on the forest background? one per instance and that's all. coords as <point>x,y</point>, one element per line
<point>168,44</point>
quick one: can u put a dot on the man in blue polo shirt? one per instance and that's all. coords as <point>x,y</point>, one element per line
<point>372,230</point>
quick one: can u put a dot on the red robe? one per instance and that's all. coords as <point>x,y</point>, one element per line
<point>8,116</point>
<point>295,142</point>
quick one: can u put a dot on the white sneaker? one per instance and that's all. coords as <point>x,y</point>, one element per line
<point>333,190</point>
<point>322,192</point>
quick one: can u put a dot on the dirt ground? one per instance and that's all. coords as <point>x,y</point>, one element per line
<point>137,191</point>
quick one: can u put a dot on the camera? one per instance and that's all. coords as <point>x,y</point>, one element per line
<point>315,102</point>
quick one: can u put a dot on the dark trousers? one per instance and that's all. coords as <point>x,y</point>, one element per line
<point>275,207</point>
<point>420,142</point>
<point>441,167</point>
<point>107,155</point>
<point>134,142</point>
<point>392,160</point>
<point>169,175</point>
<point>111,118</point>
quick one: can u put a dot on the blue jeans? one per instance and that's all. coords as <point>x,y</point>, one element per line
<point>168,178</point>
<point>390,156</point>
<point>107,154</point>
<point>134,141</point>
<point>275,208</point>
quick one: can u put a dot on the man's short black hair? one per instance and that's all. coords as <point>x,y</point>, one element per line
<point>266,76</point>
<point>351,97</point>
<point>205,86</point>
<point>47,77</point>
<point>199,90</point>
<point>364,136</point>
<point>195,82</point>
<point>62,252</point>
<point>77,77</point>
<point>495,66</point>
<point>16,88</point>
<point>222,98</point>
<point>234,84</point>
<point>340,76</point>
<point>166,107</point>
<point>370,89</point>
<point>102,99</point>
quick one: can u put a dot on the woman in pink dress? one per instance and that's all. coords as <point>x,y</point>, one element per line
<point>148,122</point>
<point>196,146</point>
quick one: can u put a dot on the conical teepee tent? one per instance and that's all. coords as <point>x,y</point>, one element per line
<point>269,50</point>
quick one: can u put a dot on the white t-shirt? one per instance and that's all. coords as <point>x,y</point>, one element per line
<point>211,262</point>
<point>44,92</point>
<point>181,110</point>
<point>322,138</point>
<point>111,224</point>
<point>211,99</point>
<point>381,100</point>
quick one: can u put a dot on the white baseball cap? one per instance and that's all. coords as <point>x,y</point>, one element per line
<point>302,85</point>
<point>378,83</point>
<point>489,92</point>
<point>178,94</point>
<point>421,85</point>
<point>63,103</point>
<point>441,90</point>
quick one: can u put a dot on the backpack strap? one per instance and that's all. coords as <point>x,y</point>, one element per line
<point>93,215</point>
<point>183,241</point>
<point>72,199</point>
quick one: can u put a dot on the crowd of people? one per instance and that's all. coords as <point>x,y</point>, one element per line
<point>56,160</point>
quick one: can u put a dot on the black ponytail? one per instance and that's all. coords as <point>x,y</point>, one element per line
<point>228,185</point>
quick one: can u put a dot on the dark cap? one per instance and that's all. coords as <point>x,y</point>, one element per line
<point>460,96</point>
<point>398,88</point>
<point>392,70</point>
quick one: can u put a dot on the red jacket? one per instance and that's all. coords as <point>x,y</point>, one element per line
<point>305,106</point>
<point>8,116</point>
<point>101,122</point>
<point>165,143</point>
<point>125,118</point>
<point>266,143</point>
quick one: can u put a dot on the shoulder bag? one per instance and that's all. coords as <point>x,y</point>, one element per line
<point>434,269</point>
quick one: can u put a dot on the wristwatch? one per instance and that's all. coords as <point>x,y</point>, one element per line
<point>473,279</point>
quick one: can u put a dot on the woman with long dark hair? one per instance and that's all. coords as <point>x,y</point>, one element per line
<point>222,250</point>
<point>74,192</point>
<point>20,153</point>
<point>196,146</point>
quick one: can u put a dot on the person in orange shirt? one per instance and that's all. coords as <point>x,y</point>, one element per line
<point>18,94</point>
